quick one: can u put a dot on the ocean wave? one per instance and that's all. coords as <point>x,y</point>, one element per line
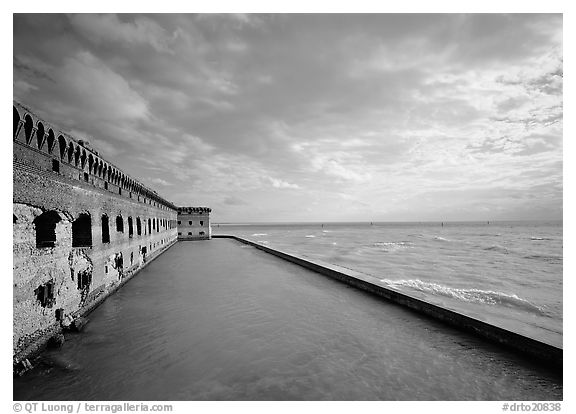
<point>539,238</point>
<point>545,258</point>
<point>441,238</point>
<point>392,246</point>
<point>263,241</point>
<point>259,234</point>
<point>310,236</point>
<point>497,248</point>
<point>487,297</point>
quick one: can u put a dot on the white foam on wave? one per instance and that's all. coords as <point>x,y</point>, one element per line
<point>393,246</point>
<point>487,297</point>
<point>259,234</point>
<point>441,238</point>
<point>310,236</point>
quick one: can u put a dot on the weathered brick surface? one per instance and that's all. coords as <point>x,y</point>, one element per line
<point>80,277</point>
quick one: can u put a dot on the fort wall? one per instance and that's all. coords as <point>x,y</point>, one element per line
<point>81,228</point>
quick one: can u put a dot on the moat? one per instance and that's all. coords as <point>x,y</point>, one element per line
<point>219,320</point>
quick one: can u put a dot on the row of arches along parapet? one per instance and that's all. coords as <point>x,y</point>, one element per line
<point>64,149</point>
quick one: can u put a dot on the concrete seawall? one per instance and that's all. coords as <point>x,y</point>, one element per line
<point>541,351</point>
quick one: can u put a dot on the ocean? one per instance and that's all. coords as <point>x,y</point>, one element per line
<point>505,273</point>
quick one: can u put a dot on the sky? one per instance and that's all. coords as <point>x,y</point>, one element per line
<point>296,117</point>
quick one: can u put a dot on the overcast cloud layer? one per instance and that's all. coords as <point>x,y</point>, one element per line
<point>312,117</point>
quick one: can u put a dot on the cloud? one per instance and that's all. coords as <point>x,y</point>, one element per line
<point>276,183</point>
<point>234,201</point>
<point>108,28</point>
<point>403,112</point>
<point>158,181</point>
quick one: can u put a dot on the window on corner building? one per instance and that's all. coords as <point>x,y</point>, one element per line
<point>190,222</point>
<point>119,224</point>
<point>56,166</point>
<point>201,223</point>
<point>45,225</point>
<point>149,226</point>
<point>179,222</point>
<point>130,227</point>
<point>189,233</point>
<point>82,231</point>
<point>105,229</point>
<point>138,226</point>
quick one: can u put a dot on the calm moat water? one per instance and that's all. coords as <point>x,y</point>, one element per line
<point>217,320</point>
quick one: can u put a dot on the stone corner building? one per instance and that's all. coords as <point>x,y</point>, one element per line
<point>194,223</point>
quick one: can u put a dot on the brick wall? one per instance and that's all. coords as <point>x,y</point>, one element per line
<point>64,258</point>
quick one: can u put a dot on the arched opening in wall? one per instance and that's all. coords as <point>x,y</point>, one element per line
<point>138,226</point>
<point>82,231</point>
<point>119,224</point>
<point>45,225</point>
<point>77,156</point>
<point>62,145</point>
<point>70,152</point>
<point>100,168</point>
<point>14,219</point>
<point>28,125</point>
<point>16,121</point>
<point>40,135</point>
<point>149,226</point>
<point>105,229</point>
<point>51,141</point>
<point>130,227</point>
<point>90,163</point>
<point>83,159</point>
<point>154,224</point>
<point>109,173</point>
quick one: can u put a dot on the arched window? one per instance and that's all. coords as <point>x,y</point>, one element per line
<point>40,135</point>
<point>153,224</point>
<point>82,231</point>
<point>51,141</point>
<point>77,156</point>
<point>28,125</point>
<point>83,159</point>
<point>62,145</point>
<point>70,152</point>
<point>149,227</point>
<point>138,226</point>
<point>45,225</point>
<point>90,163</point>
<point>16,121</point>
<point>130,227</point>
<point>119,224</point>
<point>105,229</point>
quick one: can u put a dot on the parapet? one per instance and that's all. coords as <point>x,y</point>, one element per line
<point>194,210</point>
<point>34,135</point>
